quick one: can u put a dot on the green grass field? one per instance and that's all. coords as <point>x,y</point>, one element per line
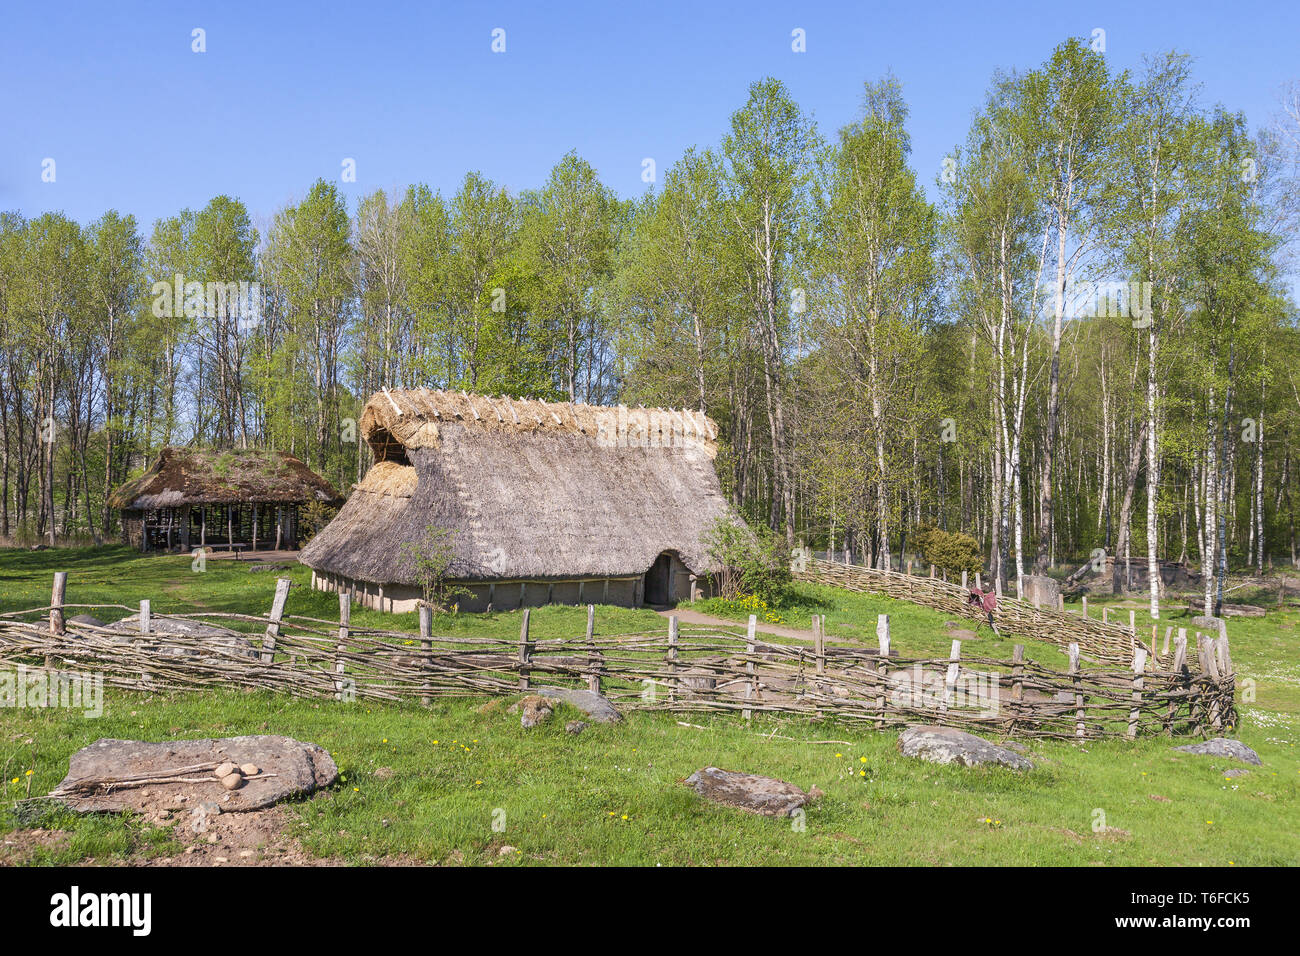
<point>427,785</point>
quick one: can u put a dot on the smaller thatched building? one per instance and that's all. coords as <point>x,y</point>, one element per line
<point>544,502</point>
<point>247,498</point>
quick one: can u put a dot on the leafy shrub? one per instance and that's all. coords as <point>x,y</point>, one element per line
<point>754,562</point>
<point>313,518</point>
<point>431,557</point>
<point>949,551</point>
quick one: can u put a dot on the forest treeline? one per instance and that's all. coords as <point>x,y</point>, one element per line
<point>1087,343</point>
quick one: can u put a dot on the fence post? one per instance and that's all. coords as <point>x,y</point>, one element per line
<point>672,660</point>
<point>963,580</point>
<point>1211,668</point>
<point>950,679</point>
<point>978,578</point>
<point>819,652</point>
<point>426,649</point>
<point>525,650</point>
<point>932,572</point>
<point>1085,605</point>
<point>882,662</point>
<point>1164,651</point>
<point>57,625</point>
<point>1132,622</point>
<point>593,659</point>
<point>277,613</point>
<point>1080,725</point>
<point>1139,667</point>
<point>345,622</point>
<point>750,689</point>
<point>146,616</point>
<point>1180,676</point>
<point>1018,672</point>
<point>1225,670</point>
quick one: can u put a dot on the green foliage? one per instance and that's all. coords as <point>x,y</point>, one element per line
<point>950,551</point>
<point>754,561</point>
<point>431,558</point>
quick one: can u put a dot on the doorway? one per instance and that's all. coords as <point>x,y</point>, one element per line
<point>658,580</point>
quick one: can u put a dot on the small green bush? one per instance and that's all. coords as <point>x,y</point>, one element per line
<point>949,551</point>
<point>754,561</point>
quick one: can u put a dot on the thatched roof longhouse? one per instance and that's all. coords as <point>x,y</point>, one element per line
<point>530,490</point>
<point>190,476</point>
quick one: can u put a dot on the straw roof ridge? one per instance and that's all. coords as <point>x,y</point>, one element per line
<point>190,476</point>
<point>414,418</point>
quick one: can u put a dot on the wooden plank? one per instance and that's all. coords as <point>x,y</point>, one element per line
<point>146,616</point>
<point>277,613</point>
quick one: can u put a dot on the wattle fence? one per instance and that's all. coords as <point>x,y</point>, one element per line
<point>698,669</point>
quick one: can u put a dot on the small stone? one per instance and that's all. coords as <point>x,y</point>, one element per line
<point>505,850</point>
<point>749,791</point>
<point>249,769</point>
<point>213,838</point>
<point>247,853</point>
<point>221,859</point>
<point>232,781</point>
<point>575,727</point>
<point>1236,772</point>
<point>533,710</point>
<point>948,745</point>
<point>383,773</point>
<point>225,769</point>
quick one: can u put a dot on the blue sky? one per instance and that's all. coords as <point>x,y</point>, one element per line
<point>413,92</point>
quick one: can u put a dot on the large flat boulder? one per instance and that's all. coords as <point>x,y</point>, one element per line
<point>749,791</point>
<point>1223,747</point>
<point>949,745</point>
<point>589,702</point>
<point>1041,590</point>
<point>106,775</point>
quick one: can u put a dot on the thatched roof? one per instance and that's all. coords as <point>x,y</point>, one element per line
<point>191,476</point>
<point>528,489</point>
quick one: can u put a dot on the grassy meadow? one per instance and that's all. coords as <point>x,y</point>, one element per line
<point>426,785</point>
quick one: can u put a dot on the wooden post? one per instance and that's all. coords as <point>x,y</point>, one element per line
<point>277,612</point>
<point>57,593</point>
<point>1164,651</point>
<point>1105,614</point>
<point>593,658</point>
<point>1180,676</point>
<point>751,691</point>
<point>1060,602</point>
<point>525,650</point>
<point>1139,667</point>
<point>978,579</point>
<point>963,580</point>
<point>1211,667</point>
<point>1080,726</point>
<point>672,660</point>
<point>145,616</point>
<point>1132,622</point>
<point>819,655</point>
<point>426,649</point>
<point>1085,605</point>
<point>882,662</point>
<point>932,572</point>
<point>1017,679</point>
<point>950,678</point>
<point>345,621</point>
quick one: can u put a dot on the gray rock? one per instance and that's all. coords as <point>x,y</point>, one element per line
<point>748,791</point>
<point>1041,590</point>
<point>1236,772</point>
<point>589,702</point>
<point>533,710</point>
<point>210,639</point>
<point>1215,625</point>
<point>89,619</point>
<point>575,727</point>
<point>949,745</point>
<point>963,634</point>
<point>291,769</point>
<point>1223,747</point>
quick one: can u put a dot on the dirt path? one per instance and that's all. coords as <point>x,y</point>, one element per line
<point>687,616</point>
